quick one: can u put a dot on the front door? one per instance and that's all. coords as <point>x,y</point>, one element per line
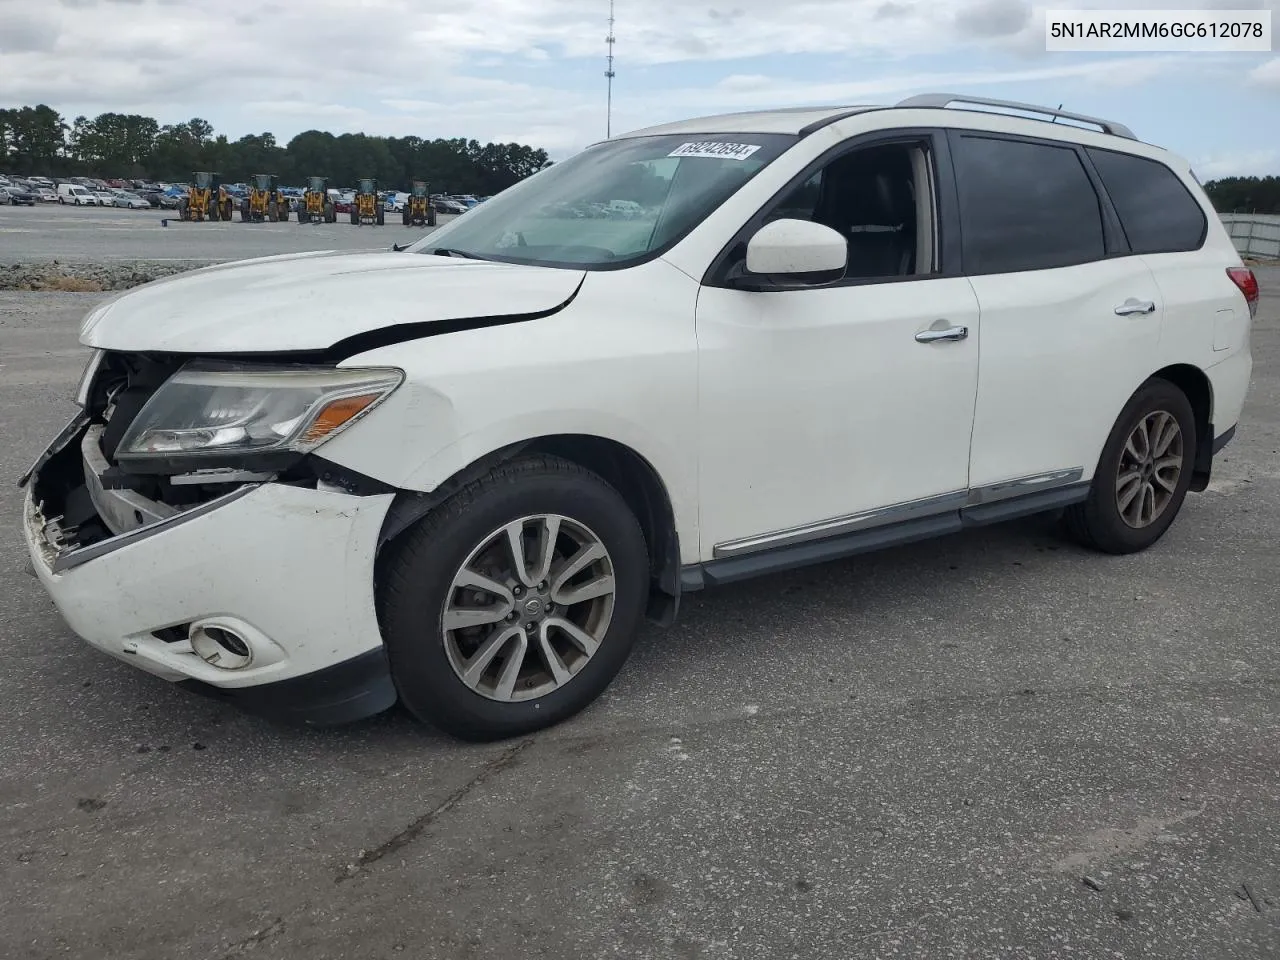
<point>821,407</point>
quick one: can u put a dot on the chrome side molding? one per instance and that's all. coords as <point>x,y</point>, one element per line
<point>957,501</point>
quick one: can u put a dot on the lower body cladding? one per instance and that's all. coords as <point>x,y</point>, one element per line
<point>263,596</point>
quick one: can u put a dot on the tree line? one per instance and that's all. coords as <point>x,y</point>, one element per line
<point>38,141</point>
<point>1245,194</point>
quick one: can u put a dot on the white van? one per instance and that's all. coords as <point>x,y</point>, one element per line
<point>74,193</point>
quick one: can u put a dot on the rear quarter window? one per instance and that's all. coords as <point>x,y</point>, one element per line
<point>1157,212</point>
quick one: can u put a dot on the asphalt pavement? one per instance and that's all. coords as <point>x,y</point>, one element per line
<point>55,232</point>
<point>920,753</point>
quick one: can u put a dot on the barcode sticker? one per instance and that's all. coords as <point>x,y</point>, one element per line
<point>715,150</point>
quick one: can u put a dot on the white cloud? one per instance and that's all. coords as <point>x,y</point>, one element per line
<point>285,66</point>
<point>1243,164</point>
<point>1266,74</point>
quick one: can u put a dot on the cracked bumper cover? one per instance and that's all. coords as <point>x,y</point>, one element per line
<point>291,565</point>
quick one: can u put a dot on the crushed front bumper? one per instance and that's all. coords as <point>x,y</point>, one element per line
<point>289,568</point>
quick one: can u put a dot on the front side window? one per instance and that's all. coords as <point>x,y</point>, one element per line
<point>1156,210</point>
<point>613,204</point>
<point>1025,206</point>
<point>880,199</point>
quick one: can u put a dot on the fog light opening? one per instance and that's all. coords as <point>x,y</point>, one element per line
<point>221,647</point>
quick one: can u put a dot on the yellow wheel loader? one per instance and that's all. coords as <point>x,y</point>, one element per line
<point>366,207</point>
<point>418,211</point>
<point>265,202</point>
<point>316,206</point>
<point>206,199</point>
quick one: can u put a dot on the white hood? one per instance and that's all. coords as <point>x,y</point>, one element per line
<point>310,301</point>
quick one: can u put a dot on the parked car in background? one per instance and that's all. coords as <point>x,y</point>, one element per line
<point>106,198</point>
<point>129,200</point>
<point>41,182</point>
<point>76,194</point>
<point>21,195</point>
<point>46,194</point>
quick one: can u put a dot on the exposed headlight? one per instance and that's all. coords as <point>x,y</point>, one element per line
<point>219,409</point>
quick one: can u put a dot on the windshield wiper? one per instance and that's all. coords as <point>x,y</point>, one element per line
<point>450,252</point>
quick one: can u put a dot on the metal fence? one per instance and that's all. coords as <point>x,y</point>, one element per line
<point>1254,234</point>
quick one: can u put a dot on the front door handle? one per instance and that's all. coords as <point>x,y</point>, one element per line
<point>950,333</point>
<point>1132,307</point>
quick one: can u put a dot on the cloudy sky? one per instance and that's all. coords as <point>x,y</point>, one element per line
<point>532,70</point>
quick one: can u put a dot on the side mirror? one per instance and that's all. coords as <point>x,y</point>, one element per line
<point>795,253</point>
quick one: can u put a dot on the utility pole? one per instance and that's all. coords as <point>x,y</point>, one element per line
<point>608,123</point>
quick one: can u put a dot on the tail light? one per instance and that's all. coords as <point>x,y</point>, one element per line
<point>1243,278</point>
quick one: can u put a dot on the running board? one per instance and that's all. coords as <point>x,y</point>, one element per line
<point>793,556</point>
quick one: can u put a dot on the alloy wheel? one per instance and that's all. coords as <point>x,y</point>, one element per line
<point>528,608</point>
<point>1150,468</point>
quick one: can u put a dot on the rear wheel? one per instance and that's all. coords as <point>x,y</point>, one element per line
<point>381,217</point>
<point>1143,474</point>
<point>273,211</point>
<point>405,218</point>
<point>303,216</point>
<point>355,216</point>
<point>330,215</point>
<point>514,604</point>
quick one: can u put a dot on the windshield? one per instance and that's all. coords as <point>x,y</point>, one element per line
<point>613,204</point>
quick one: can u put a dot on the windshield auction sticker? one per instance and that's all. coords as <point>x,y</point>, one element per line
<point>716,150</point>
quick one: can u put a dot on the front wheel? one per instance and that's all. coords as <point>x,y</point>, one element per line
<point>514,604</point>
<point>1143,474</point>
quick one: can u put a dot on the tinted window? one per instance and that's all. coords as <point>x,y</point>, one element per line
<point>1025,206</point>
<point>1157,212</point>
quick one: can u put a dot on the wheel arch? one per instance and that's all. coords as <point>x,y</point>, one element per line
<point>1195,386</point>
<point>622,467</point>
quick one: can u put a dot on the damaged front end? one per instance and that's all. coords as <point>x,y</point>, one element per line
<point>160,439</point>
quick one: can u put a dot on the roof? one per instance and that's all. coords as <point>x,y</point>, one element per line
<point>791,120</point>
<point>800,121</point>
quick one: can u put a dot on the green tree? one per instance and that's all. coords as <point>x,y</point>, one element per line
<point>1245,194</point>
<point>35,138</point>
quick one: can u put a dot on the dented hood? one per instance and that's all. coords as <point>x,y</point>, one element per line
<point>311,301</point>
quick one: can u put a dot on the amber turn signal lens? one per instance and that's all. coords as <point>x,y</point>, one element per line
<point>336,414</point>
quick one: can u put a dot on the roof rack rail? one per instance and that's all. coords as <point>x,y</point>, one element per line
<point>945,99</point>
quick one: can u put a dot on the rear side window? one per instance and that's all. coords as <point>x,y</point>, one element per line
<point>1158,213</point>
<point>1025,206</point>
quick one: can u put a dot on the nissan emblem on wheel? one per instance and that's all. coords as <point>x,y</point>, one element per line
<point>461,475</point>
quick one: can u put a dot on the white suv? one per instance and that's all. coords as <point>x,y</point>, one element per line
<point>459,475</point>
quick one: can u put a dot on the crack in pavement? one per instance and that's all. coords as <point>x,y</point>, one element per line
<point>418,825</point>
<point>254,939</point>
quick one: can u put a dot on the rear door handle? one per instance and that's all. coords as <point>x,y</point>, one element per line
<point>950,333</point>
<point>1131,307</point>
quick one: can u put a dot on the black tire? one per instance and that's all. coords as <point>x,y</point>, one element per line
<point>354,216</point>
<point>302,215</point>
<point>405,218</point>
<point>273,212</point>
<point>431,216</point>
<point>381,216</point>
<point>244,211</point>
<point>417,572</point>
<point>1097,522</point>
<point>330,215</point>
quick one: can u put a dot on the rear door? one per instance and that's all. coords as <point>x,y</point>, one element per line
<point>1071,321</point>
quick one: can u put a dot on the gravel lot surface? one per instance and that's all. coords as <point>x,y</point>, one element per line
<point>921,753</point>
<point>68,234</point>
